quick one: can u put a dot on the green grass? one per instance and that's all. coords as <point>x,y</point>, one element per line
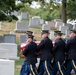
<point>18,64</point>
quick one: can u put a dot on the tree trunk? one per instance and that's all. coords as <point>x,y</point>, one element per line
<point>64,16</point>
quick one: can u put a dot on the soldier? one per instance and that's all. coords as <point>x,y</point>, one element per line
<point>46,53</point>
<point>23,70</point>
<point>71,50</point>
<point>59,53</point>
<point>30,53</point>
<point>30,33</point>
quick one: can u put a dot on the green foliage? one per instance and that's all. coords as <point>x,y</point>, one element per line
<point>6,7</point>
<point>71,9</point>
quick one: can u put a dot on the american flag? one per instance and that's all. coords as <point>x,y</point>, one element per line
<point>23,45</point>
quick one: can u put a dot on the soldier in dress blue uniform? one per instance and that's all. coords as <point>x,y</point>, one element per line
<point>23,69</point>
<point>59,53</point>
<point>71,50</point>
<point>45,47</point>
<point>30,53</point>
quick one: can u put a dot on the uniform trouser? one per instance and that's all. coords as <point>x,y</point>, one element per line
<point>45,66</point>
<point>23,68</point>
<point>71,65</point>
<point>58,67</point>
<point>28,69</point>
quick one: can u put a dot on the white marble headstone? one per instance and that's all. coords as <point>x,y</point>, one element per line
<point>21,26</point>
<point>45,27</point>
<point>57,24</point>
<point>52,35</point>
<point>24,16</point>
<point>8,51</point>
<point>34,22</point>
<point>7,67</point>
<point>63,29</point>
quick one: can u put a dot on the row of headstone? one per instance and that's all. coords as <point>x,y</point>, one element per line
<point>8,55</point>
<point>52,25</point>
<point>11,38</point>
<point>8,38</point>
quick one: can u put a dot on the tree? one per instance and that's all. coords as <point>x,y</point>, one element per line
<point>51,3</point>
<point>64,17</point>
<point>6,7</point>
<point>71,9</point>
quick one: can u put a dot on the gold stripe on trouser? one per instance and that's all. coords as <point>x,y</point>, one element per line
<point>74,64</point>
<point>36,70</point>
<point>60,68</point>
<point>32,69</point>
<point>46,67</point>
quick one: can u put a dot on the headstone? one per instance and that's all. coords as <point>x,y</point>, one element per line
<point>1,39</point>
<point>24,16</point>
<point>67,33</point>
<point>63,28</point>
<point>57,24</point>
<point>70,26</point>
<point>22,38</point>
<point>45,27</point>
<point>7,67</point>
<point>9,38</point>
<point>42,21</point>
<point>52,35</point>
<point>4,53</point>
<point>8,51</point>
<point>58,20</point>
<point>34,22</point>
<point>15,13</point>
<point>21,27</point>
<point>52,24</point>
<point>19,18</point>
<point>74,26</point>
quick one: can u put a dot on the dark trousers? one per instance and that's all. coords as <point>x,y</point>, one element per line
<point>28,69</point>
<point>58,67</point>
<point>71,65</point>
<point>23,68</point>
<point>45,66</point>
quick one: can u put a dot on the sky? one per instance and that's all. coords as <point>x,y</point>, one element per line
<point>36,4</point>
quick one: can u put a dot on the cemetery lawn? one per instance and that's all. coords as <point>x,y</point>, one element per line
<point>6,28</point>
<point>18,64</point>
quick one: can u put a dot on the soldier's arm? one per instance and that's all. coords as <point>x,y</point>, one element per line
<point>25,52</point>
<point>41,45</point>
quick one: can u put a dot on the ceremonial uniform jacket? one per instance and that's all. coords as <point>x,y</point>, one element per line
<point>59,50</point>
<point>46,49</point>
<point>71,48</point>
<point>30,53</point>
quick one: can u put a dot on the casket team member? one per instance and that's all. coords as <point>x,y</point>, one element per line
<point>46,53</point>
<point>71,50</point>
<point>59,53</point>
<point>30,53</point>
